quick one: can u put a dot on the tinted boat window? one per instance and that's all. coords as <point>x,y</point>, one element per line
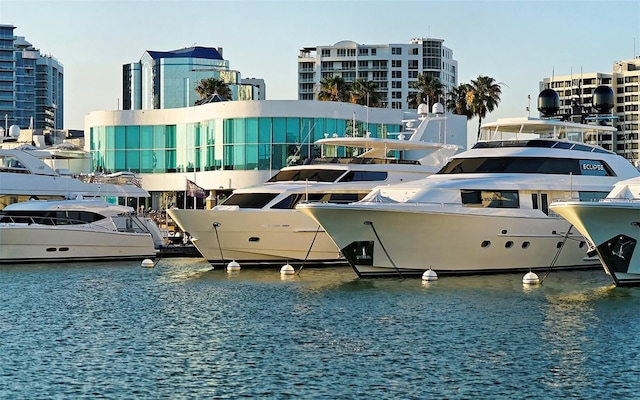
<point>313,175</point>
<point>490,198</point>
<point>249,200</point>
<point>526,165</point>
<point>361,176</point>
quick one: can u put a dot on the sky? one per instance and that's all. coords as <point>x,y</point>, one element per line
<point>518,43</point>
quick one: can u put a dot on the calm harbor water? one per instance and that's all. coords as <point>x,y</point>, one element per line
<point>181,330</point>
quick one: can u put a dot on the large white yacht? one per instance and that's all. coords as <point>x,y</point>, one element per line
<point>73,230</point>
<point>612,227</point>
<point>259,226</point>
<point>487,210</point>
<point>24,176</point>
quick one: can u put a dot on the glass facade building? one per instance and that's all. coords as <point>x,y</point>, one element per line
<point>31,84</point>
<point>167,79</point>
<point>232,144</point>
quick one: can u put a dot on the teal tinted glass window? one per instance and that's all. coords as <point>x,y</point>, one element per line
<point>264,135</point>
<point>146,161</point>
<point>239,157</point>
<point>120,138</point>
<point>279,130</point>
<point>210,133</point>
<point>132,140</point>
<point>170,136</point>
<point>293,130</point>
<point>133,160</point>
<point>252,130</point>
<point>146,137</point>
<point>158,161</point>
<point>264,156</point>
<point>227,129</point>
<point>239,132</point>
<point>252,156</point>
<point>279,156</point>
<point>228,156</point>
<point>159,141</point>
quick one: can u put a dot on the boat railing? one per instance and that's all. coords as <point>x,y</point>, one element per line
<point>48,221</point>
<point>360,160</point>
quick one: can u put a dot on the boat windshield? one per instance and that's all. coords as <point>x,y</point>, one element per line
<point>527,165</point>
<point>313,175</point>
<point>249,200</point>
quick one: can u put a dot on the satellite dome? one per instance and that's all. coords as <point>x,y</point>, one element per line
<point>548,102</point>
<point>423,109</point>
<point>602,99</point>
<point>438,108</point>
<point>14,131</point>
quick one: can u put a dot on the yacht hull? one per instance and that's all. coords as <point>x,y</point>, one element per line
<point>22,243</point>
<point>449,242</point>
<point>613,228</point>
<point>258,237</point>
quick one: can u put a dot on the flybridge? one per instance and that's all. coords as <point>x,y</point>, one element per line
<point>542,143</point>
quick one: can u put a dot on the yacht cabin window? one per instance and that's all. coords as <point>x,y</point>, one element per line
<point>338,198</point>
<point>527,165</point>
<point>490,199</point>
<point>362,176</point>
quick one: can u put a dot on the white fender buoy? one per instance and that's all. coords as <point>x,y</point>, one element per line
<point>233,266</point>
<point>429,275</point>
<point>530,278</point>
<point>148,263</point>
<point>287,270</point>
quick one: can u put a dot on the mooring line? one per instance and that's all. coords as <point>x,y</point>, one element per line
<point>215,227</point>
<point>370,223</point>
<point>309,251</point>
<point>555,258</point>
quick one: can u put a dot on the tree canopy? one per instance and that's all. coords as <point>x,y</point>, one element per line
<point>429,90</point>
<point>209,86</point>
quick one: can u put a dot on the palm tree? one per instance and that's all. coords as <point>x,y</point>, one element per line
<point>429,90</point>
<point>334,88</point>
<point>457,100</point>
<point>483,97</point>
<point>363,92</point>
<point>209,86</point>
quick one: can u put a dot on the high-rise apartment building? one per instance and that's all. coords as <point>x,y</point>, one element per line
<point>391,66</point>
<point>31,84</point>
<point>576,94</point>
<point>167,79</point>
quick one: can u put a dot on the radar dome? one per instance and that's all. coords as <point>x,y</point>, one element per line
<point>438,108</point>
<point>548,102</point>
<point>14,131</point>
<point>602,99</point>
<point>423,109</point>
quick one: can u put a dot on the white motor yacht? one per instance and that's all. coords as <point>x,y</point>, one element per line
<point>487,210</point>
<point>259,226</point>
<point>74,230</point>
<point>24,176</point>
<point>612,228</point>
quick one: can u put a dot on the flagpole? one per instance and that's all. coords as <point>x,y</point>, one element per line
<point>186,187</point>
<point>195,198</point>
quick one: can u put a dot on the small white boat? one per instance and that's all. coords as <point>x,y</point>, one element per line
<point>612,228</point>
<point>259,226</point>
<point>74,230</point>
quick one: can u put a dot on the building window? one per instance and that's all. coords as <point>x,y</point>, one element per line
<point>412,74</point>
<point>396,84</point>
<point>396,95</point>
<point>396,74</point>
<point>363,51</point>
<point>373,52</point>
<point>326,52</point>
<point>396,63</point>
<point>342,52</point>
<point>396,50</point>
<point>351,52</point>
